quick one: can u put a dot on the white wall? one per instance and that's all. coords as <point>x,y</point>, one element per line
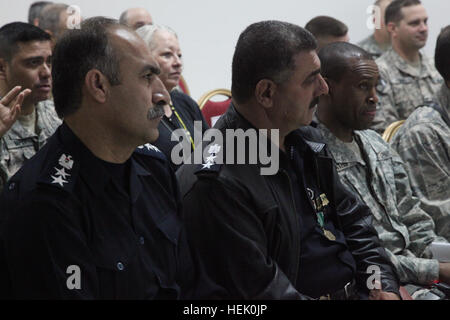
<point>208,29</point>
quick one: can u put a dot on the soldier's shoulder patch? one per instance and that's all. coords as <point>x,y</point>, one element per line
<point>151,151</point>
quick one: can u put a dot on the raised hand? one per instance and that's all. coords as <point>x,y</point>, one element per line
<point>10,108</point>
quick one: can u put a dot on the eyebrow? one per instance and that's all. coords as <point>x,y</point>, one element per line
<point>313,74</point>
<point>151,68</point>
<point>34,58</point>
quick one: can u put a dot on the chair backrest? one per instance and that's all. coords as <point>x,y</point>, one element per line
<point>183,86</point>
<point>212,110</point>
<point>391,130</point>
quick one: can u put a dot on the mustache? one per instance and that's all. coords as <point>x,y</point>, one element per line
<point>157,111</point>
<point>314,102</point>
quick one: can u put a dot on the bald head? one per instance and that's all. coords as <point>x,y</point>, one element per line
<point>136,18</point>
<point>336,57</point>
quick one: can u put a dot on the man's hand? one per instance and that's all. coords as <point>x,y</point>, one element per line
<point>444,272</point>
<point>10,108</point>
<point>379,294</point>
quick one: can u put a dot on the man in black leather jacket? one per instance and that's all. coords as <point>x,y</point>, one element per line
<point>295,234</point>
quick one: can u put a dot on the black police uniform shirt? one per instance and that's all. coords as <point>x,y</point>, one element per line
<point>73,226</point>
<point>326,265</point>
<point>189,112</point>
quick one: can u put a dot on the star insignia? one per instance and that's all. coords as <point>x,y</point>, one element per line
<point>61,172</point>
<point>59,180</point>
<point>207,165</point>
<point>211,158</point>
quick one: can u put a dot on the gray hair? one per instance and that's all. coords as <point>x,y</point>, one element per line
<point>147,33</point>
<point>50,17</point>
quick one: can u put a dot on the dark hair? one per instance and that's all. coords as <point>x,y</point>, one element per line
<point>442,53</point>
<point>394,10</point>
<point>13,33</point>
<point>77,52</point>
<point>35,10</point>
<point>324,26</point>
<point>50,18</point>
<point>265,50</point>
<point>335,57</point>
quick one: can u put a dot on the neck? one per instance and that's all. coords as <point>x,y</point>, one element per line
<point>27,108</point>
<point>100,140</point>
<point>409,55</point>
<point>342,132</point>
<point>260,119</point>
<point>381,38</point>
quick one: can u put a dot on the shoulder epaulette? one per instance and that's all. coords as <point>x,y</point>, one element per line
<point>60,172</point>
<point>151,151</point>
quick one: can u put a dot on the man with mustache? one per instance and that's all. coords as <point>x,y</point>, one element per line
<point>371,169</point>
<point>95,214</point>
<point>25,61</point>
<point>408,79</point>
<point>295,234</point>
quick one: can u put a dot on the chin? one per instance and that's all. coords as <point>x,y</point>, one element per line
<point>152,136</point>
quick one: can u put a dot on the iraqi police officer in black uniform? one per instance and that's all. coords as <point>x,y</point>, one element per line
<point>93,215</point>
<point>294,233</point>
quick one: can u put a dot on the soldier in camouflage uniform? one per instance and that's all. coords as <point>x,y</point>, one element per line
<point>19,144</point>
<point>423,142</point>
<point>407,78</point>
<point>371,169</point>
<point>378,42</point>
<point>25,61</point>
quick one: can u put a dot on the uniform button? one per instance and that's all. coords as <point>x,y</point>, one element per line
<point>141,240</point>
<point>12,185</point>
<point>120,266</point>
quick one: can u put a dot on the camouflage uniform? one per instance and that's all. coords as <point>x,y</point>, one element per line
<point>404,229</point>
<point>423,142</point>
<point>371,46</point>
<point>402,89</point>
<point>18,144</point>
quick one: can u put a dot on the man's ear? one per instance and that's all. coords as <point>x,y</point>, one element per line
<point>3,69</point>
<point>264,92</point>
<point>392,28</point>
<point>330,84</point>
<point>97,85</point>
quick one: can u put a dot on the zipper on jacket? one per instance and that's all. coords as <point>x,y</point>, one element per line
<point>296,270</point>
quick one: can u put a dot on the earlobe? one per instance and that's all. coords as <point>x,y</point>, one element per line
<point>264,92</point>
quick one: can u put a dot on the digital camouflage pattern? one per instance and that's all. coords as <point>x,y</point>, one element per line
<point>371,46</point>
<point>423,142</point>
<point>381,182</point>
<point>19,145</point>
<point>402,88</point>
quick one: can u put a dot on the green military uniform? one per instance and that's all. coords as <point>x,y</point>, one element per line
<point>403,88</point>
<point>374,172</point>
<point>423,142</point>
<point>371,46</point>
<point>18,144</point>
